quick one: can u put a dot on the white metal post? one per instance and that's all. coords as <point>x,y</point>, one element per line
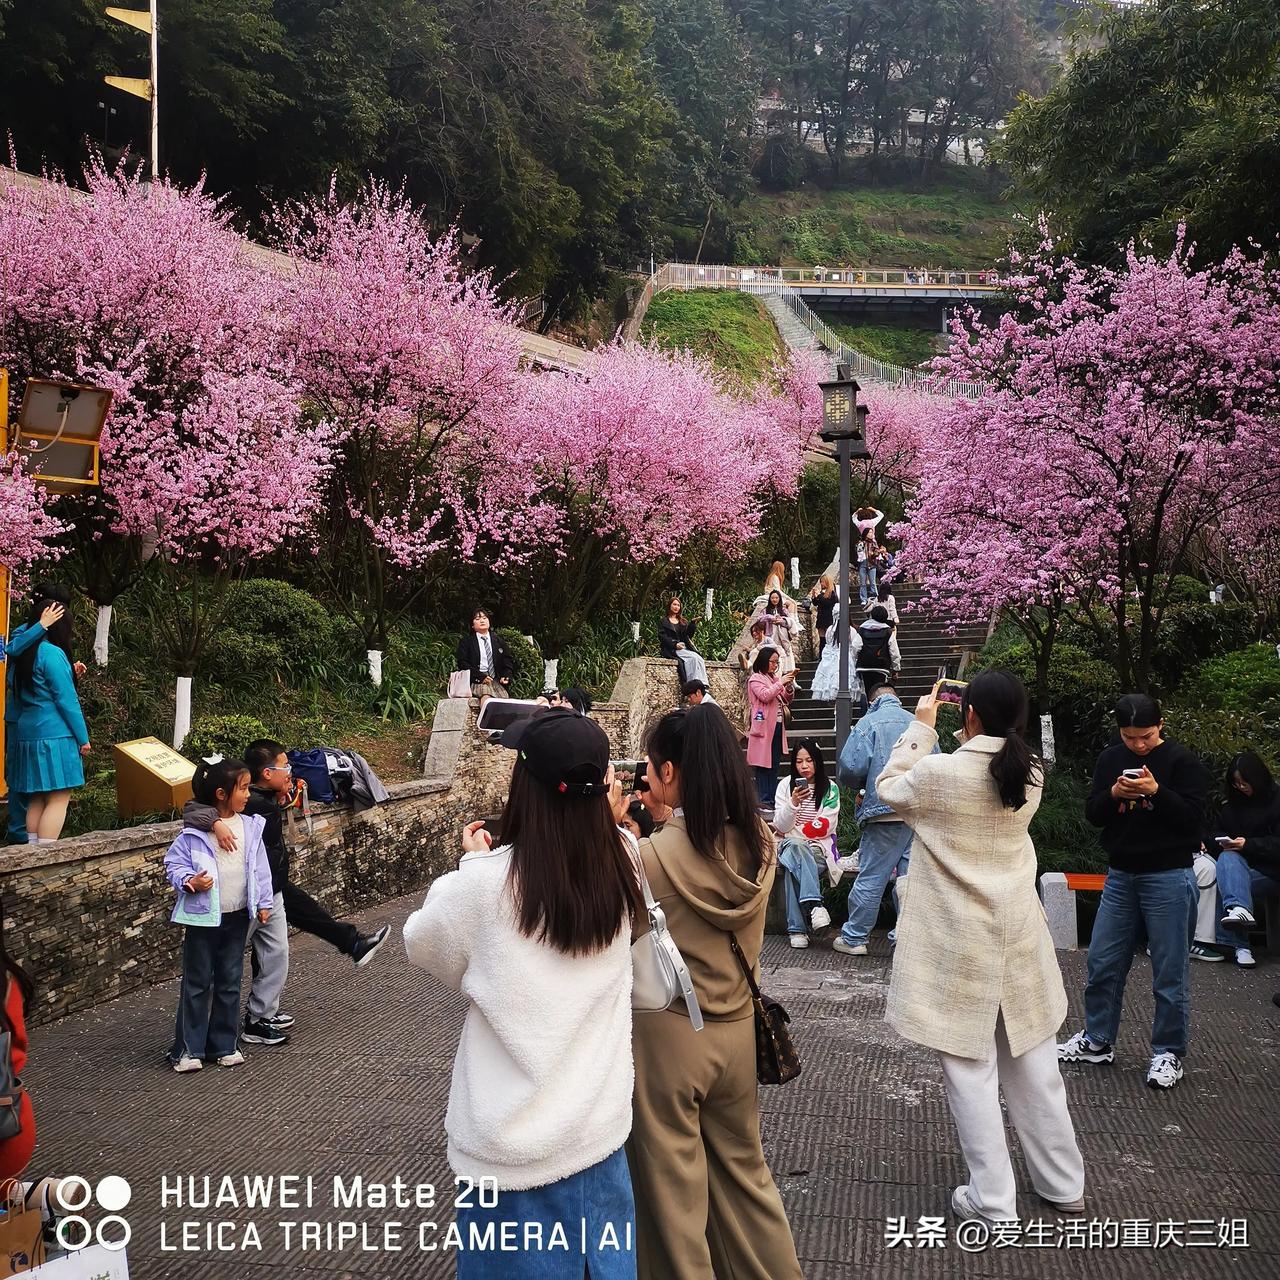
<point>155,92</point>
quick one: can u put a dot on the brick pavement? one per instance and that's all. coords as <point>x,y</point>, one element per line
<point>863,1136</point>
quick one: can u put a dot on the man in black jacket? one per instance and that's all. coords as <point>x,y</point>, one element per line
<point>482,653</point>
<point>271,783</point>
<point>1149,799</point>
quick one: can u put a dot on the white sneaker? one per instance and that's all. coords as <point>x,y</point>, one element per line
<point>839,944</point>
<point>799,941</point>
<point>187,1063</point>
<point>835,871</point>
<point>1238,918</point>
<point>1165,1071</point>
<point>231,1059</point>
<point>1244,958</point>
<point>849,863</point>
<point>820,918</point>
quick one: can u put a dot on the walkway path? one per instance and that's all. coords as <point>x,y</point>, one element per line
<point>861,1137</point>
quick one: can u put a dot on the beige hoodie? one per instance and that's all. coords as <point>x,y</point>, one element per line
<point>705,900</point>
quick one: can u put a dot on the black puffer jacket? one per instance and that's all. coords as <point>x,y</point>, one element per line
<point>1258,821</point>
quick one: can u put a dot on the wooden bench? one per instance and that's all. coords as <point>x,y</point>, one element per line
<point>1058,891</point>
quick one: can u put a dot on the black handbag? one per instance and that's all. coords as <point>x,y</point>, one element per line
<point>776,1058</point>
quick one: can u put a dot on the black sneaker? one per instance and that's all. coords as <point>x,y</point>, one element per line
<point>1081,1049</point>
<point>263,1033</point>
<point>280,1021</point>
<point>367,947</point>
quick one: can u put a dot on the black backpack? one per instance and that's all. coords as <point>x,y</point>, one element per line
<point>875,647</point>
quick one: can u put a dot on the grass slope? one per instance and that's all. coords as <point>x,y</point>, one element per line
<point>732,330</point>
<point>951,225</point>
<point>907,347</point>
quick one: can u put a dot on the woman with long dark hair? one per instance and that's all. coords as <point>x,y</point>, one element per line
<point>49,734</point>
<point>537,932</point>
<point>675,640</point>
<point>974,974</point>
<point>1249,864</point>
<point>780,625</point>
<point>706,1204</point>
<point>806,809</point>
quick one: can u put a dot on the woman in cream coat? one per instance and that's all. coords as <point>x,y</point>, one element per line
<point>974,972</point>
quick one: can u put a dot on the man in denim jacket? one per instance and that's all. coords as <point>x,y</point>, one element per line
<point>886,842</point>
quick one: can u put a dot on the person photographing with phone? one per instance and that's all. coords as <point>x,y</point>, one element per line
<point>806,811</point>
<point>1148,797</point>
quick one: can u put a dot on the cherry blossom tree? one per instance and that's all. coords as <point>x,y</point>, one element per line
<point>145,289</point>
<point>1128,408</point>
<point>28,532</point>
<point>637,458</point>
<point>413,365</point>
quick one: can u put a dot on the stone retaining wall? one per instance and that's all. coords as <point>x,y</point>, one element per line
<point>87,917</point>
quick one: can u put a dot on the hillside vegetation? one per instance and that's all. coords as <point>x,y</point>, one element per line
<point>886,342</point>
<point>731,329</point>
<point>951,225</point>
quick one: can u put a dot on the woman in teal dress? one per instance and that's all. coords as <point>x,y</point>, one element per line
<point>49,735</point>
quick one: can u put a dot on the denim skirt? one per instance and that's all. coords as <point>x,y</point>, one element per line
<point>583,1223</point>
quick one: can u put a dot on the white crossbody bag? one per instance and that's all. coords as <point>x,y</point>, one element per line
<point>659,975</point>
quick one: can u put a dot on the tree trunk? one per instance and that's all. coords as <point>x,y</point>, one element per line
<point>374,657</point>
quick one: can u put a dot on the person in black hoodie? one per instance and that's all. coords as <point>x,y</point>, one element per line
<point>271,785</point>
<point>1249,864</point>
<point>1149,798</point>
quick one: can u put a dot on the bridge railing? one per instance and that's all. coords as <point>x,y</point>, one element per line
<point>921,278</point>
<point>769,280</point>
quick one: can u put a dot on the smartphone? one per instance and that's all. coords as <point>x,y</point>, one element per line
<point>631,773</point>
<point>1132,774</point>
<point>950,691</point>
<point>501,713</point>
<point>1225,840</point>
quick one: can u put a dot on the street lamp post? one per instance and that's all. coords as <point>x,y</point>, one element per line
<point>844,425</point>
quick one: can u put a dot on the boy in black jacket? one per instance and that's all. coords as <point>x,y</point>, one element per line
<point>271,786</point>
<point>1149,799</point>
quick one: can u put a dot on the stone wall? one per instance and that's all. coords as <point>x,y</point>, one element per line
<point>88,917</point>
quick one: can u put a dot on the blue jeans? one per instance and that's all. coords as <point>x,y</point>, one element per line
<point>1164,904</point>
<point>886,848</point>
<point>208,1023</point>
<point>595,1204</point>
<point>800,874</point>
<point>866,580</point>
<point>1239,885</point>
<point>767,779</point>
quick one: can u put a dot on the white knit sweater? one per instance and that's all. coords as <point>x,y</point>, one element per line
<point>543,1077</point>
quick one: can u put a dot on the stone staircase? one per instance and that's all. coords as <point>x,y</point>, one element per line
<point>926,646</point>
<point>793,332</point>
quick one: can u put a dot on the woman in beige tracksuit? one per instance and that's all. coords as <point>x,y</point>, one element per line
<point>974,972</point>
<point>706,1203</point>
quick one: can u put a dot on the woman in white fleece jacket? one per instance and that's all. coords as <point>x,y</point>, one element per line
<point>536,933</point>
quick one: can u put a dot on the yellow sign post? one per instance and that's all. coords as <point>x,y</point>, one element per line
<point>150,777</point>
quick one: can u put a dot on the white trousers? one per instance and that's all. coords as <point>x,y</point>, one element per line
<point>1037,1102</point>
<point>1206,870</point>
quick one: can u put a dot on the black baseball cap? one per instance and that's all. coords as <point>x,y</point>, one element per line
<point>565,751</point>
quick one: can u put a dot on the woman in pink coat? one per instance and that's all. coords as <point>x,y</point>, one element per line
<point>767,692</point>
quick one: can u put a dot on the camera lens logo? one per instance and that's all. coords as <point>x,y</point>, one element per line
<point>75,1232</point>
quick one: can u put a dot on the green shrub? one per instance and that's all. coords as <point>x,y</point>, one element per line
<point>1246,680</point>
<point>1065,840</point>
<point>223,735</point>
<point>271,628</point>
<point>1218,736</point>
<point>529,665</point>
<point>1082,692</point>
<point>1190,633</point>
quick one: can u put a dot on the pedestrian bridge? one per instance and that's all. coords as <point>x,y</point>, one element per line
<point>922,284</point>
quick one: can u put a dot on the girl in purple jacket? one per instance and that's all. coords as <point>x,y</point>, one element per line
<point>216,891</point>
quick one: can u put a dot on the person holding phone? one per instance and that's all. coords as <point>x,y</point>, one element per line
<point>806,810</point>
<point>1148,797</point>
<point>975,976</point>
<point>1249,844</point>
